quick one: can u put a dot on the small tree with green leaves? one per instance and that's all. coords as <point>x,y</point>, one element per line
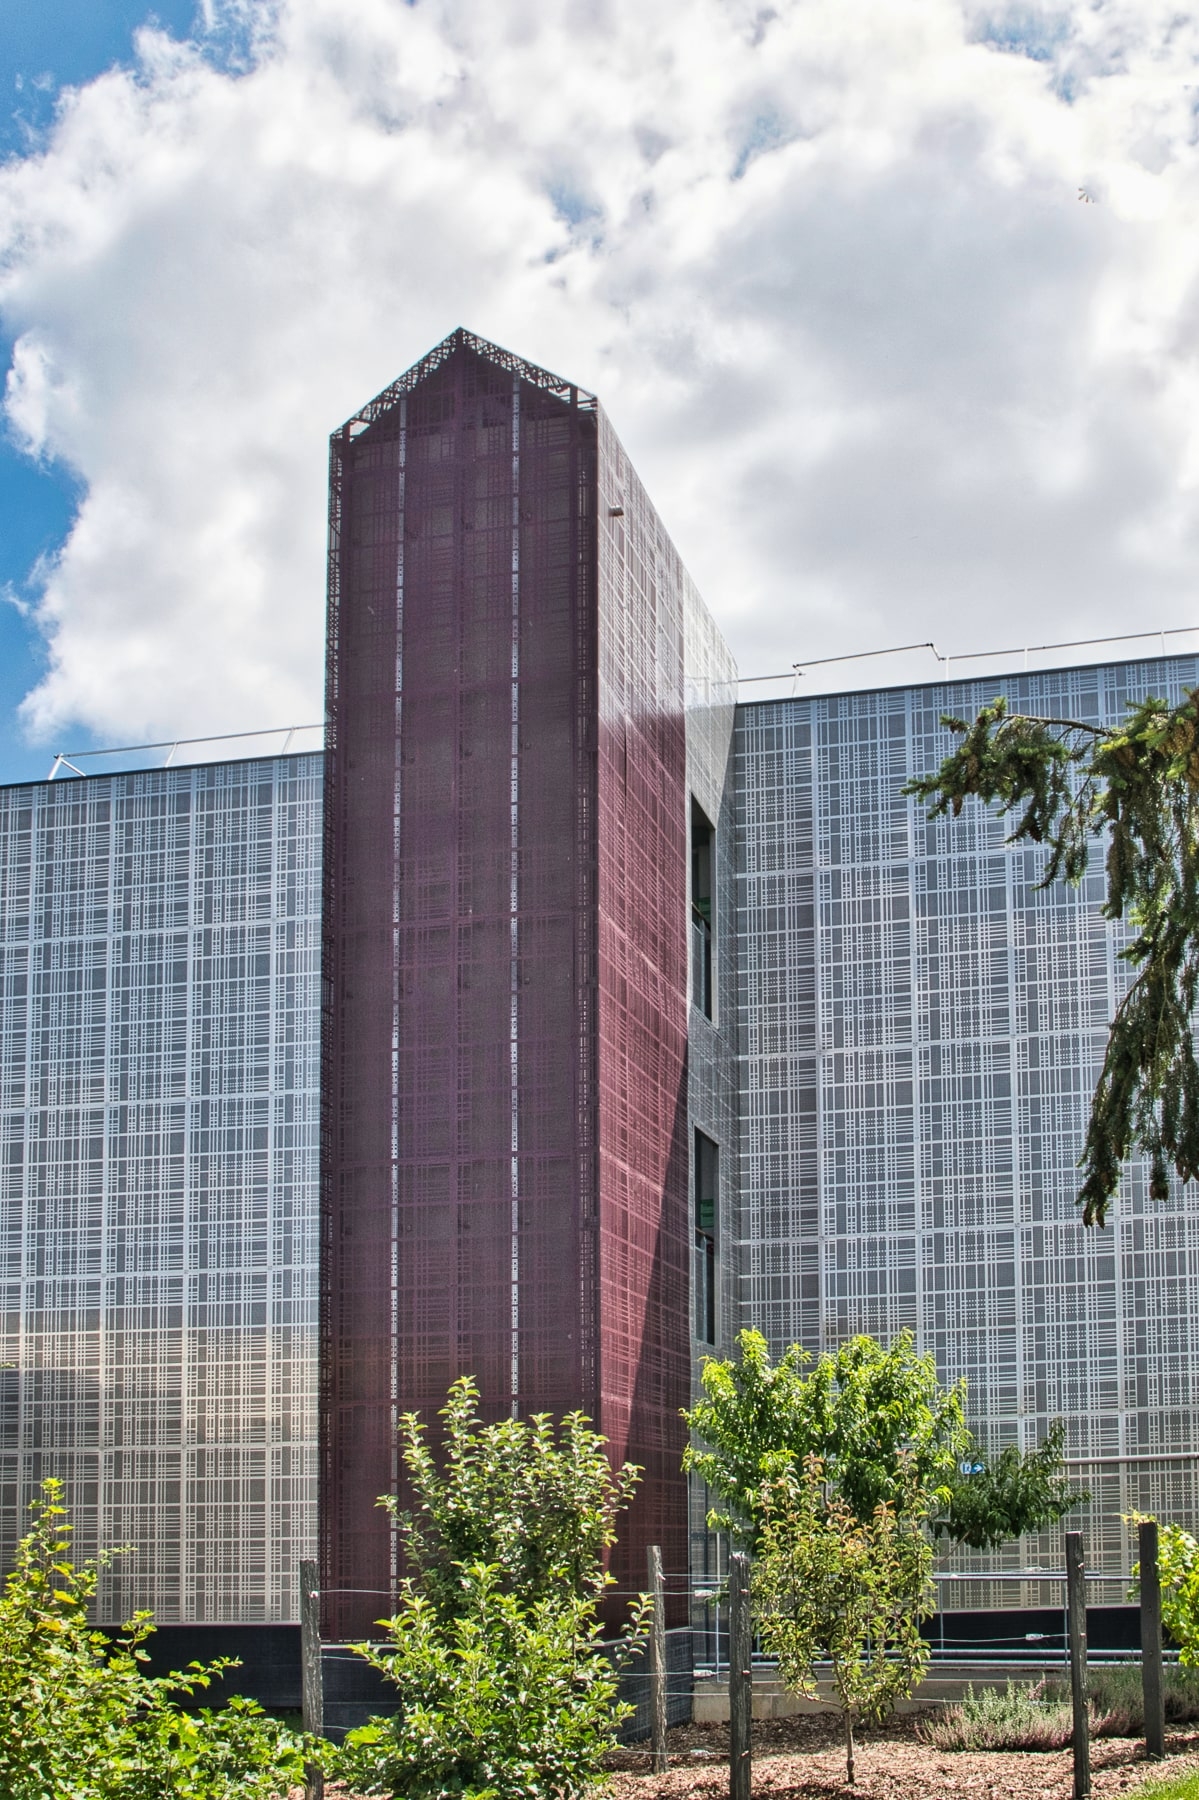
<point>504,1689</point>
<point>80,1719</point>
<point>881,1423</point>
<point>877,1418</point>
<point>995,1500</point>
<point>1070,782</point>
<point>832,1587</point>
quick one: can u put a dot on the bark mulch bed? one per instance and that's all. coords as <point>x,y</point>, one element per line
<point>804,1759</point>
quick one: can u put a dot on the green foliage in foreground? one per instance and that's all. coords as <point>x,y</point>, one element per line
<point>1015,1717</point>
<point>1178,1573</point>
<point>494,1654</point>
<point>881,1425</point>
<point>1070,782</point>
<point>81,1720</point>
<point>1118,1701</point>
<point>877,1420</point>
<point>537,1504</point>
<point>509,1699</point>
<point>832,1588</point>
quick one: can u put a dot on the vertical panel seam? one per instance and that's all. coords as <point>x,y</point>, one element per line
<point>513,920</point>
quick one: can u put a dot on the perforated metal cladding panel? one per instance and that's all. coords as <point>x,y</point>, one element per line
<point>643,1142</point>
<point>459,1082</point>
<point>159,951</point>
<point>357,1085</point>
<point>922,1026</point>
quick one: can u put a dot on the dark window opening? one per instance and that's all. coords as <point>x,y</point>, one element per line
<point>702,848</point>
<point>706,1177</point>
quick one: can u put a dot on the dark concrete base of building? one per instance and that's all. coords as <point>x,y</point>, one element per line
<point>1030,1632</point>
<point>268,1657</point>
<point>680,1682</point>
<point>354,1691</point>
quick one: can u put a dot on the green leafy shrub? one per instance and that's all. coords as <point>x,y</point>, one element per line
<point>1178,1573</point>
<point>80,1719</point>
<point>875,1417</point>
<point>1004,1496</point>
<point>1117,1697</point>
<point>508,1699</point>
<point>538,1504</point>
<point>504,1689</point>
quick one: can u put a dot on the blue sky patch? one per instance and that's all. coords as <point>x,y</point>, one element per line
<point>768,131</point>
<point>44,48</point>
<point>1023,31</point>
<point>572,206</point>
<point>62,43</point>
<point>37,504</point>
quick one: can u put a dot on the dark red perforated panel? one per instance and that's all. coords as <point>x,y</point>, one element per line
<point>489,1198</point>
<point>644,1220</point>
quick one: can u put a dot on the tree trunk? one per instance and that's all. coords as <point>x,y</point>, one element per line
<point>848,1716</point>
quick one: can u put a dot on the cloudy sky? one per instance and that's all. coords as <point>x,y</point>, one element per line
<point>894,304</point>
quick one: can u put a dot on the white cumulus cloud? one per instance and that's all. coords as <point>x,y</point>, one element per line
<point>886,374</point>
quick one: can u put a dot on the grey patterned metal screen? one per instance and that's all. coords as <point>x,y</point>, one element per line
<point>159,955</point>
<point>921,1030</point>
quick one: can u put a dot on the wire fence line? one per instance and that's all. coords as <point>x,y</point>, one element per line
<point>659,1672</point>
<point>709,1635</point>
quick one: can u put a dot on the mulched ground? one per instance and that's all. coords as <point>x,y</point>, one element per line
<point>804,1758</point>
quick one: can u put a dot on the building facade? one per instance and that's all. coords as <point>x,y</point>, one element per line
<point>506,1137</point>
<point>159,996</point>
<point>922,1027</point>
<point>645,1016</point>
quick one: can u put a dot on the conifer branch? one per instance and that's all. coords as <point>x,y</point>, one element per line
<point>1137,785</point>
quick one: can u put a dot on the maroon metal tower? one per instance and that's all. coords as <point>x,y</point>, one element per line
<point>504,1143</point>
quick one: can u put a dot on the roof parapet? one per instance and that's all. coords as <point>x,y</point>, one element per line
<point>458,341</point>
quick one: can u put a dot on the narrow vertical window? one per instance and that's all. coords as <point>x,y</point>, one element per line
<point>702,846</point>
<point>706,1177</point>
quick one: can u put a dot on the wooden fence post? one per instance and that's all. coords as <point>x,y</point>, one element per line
<point>657,1661</point>
<point>740,1677</point>
<point>312,1688</point>
<point>1152,1674</point>
<point>1076,1608</point>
